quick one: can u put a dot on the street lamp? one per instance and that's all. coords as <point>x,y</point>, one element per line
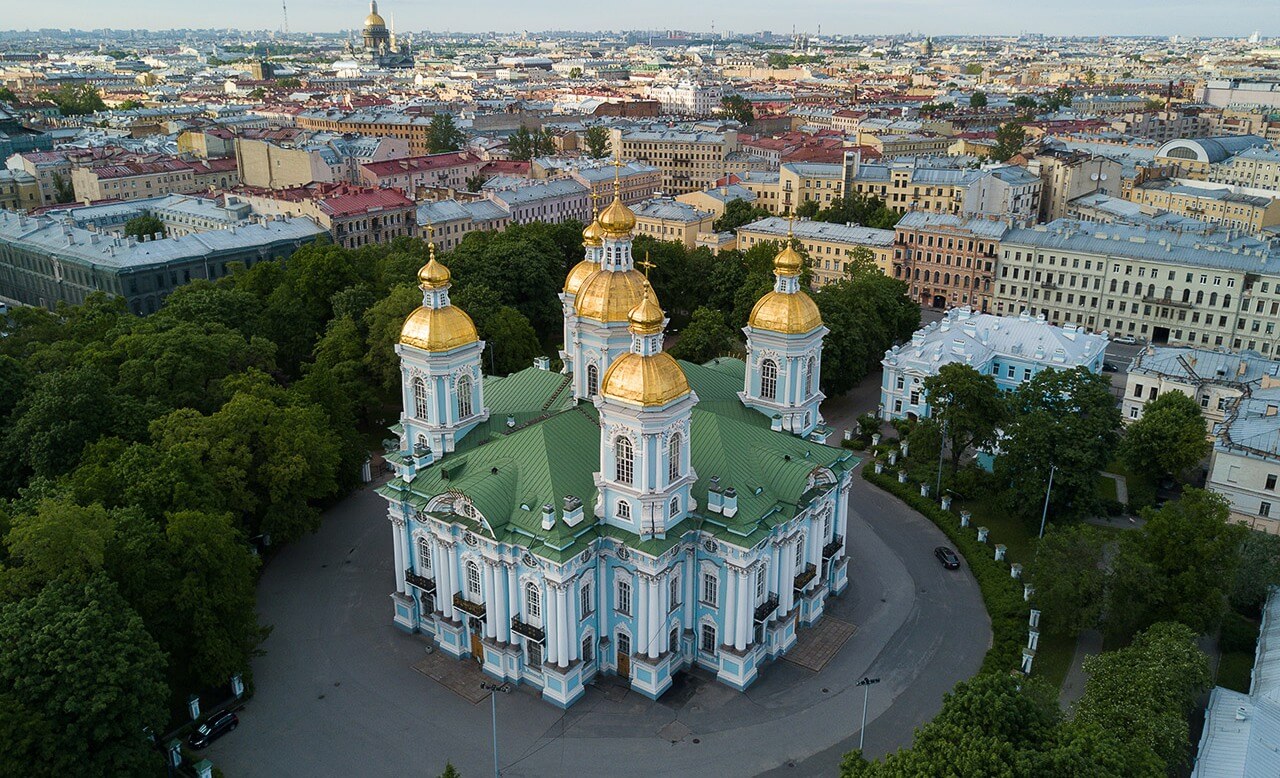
<point>1044,514</point>
<point>865,683</point>
<point>493,709</point>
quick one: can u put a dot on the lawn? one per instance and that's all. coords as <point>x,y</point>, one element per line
<point>1053,658</point>
<point>1106,489</point>
<point>1234,670</point>
<point>1006,529</point>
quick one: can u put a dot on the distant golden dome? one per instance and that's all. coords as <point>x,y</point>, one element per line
<point>609,295</point>
<point>593,234</point>
<point>617,221</point>
<point>788,262</point>
<point>433,275</point>
<point>789,314</point>
<point>374,20</point>
<point>580,272</point>
<point>438,329</point>
<point>647,317</point>
<point>648,381</point>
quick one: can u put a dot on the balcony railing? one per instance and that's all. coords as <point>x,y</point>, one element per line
<point>476,609</point>
<point>528,630</point>
<point>421,581</point>
<point>834,546</point>
<point>1167,301</point>
<point>805,576</point>
<point>765,609</point>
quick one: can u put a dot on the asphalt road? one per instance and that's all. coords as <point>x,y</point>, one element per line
<point>336,694</point>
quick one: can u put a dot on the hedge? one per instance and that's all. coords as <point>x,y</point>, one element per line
<point>1001,593</point>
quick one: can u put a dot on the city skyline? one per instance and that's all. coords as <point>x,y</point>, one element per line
<point>1232,18</point>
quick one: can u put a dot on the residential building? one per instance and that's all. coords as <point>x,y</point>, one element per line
<point>687,98</point>
<point>355,216</point>
<point>636,181</point>
<point>1162,126</point>
<point>450,170</point>
<point>312,158</point>
<point>663,218</point>
<point>1198,158</point>
<point>552,201</point>
<point>911,145</point>
<point>1214,379</point>
<point>717,198</point>
<point>1066,175</point>
<point>935,185</point>
<point>1245,464</point>
<point>1217,204</point>
<point>689,160</point>
<point>802,182</point>
<point>1011,350</point>
<point>948,260</point>
<point>19,190</point>
<point>133,180</point>
<point>1224,92</point>
<point>1256,168</point>
<point>446,222</point>
<point>828,246</point>
<point>412,128</point>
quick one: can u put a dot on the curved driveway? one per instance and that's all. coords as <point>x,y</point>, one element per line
<point>336,693</point>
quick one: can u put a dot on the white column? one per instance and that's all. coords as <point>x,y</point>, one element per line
<point>746,596</point>
<point>655,617</point>
<point>397,538</point>
<point>787,574</point>
<point>575,619</point>
<point>550,639</point>
<point>438,565</point>
<point>775,573</point>
<point>499,604</point>
<point>512,601</point>
<point>562,615</point>
<point>730,604</point>
<point>642,616</point>
<point>451,584</point>
<point>691,584</point>
<point>491,614</point>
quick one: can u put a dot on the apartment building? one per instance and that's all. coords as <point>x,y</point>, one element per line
<point>1213,287</point>
<point>637,181</point>
<point>1245,464</point>
<point>449,170</point>
<point>1215,204</point>
<point>689,160</point>
<point>948,260</point>
<point>910,145</point>
<point>1066,175</point>
<point>446,222</point>
<point>828,246</point>
<point>354,216</point>
<point>551,201</point>
<point>1255,168</point>
<point>664,218</point>
<point>1214,379</point>
<point>133,180</point>
<point>933,185</point>
<point>19,190</point>
<point>687,98</point>
<point>312,158</point>
<point>718,198</point>
<point>413,128</point>
<point>1162,126</point>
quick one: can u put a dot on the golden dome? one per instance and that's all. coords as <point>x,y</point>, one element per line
<point>617,221</point>
<point>788,262</point>
<point>789,314</point>
<point>609,295</point>
<point>580,272</point>
<point>647,317</point>
<point>438,329</point>
<point>433,275</point>
<point>374,20</point>
<point>651,380</point>
<point>593,234</point>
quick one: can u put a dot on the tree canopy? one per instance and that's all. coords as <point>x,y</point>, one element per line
<point>738,108</point>
<point>443,135</point>
<point>1169,439</point>
<point>597,141</point>
<point>968,406</point>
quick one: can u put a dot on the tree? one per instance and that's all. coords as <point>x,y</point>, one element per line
<point>78,661</point>
<point>257,93</point>
<point>64,191</point>
<point>738,212</point>
<point>76,99</point>
<point>59,414</point>
<point>598,142</point>
<point>59,540</point>
<point>968,406</point>
<point>1025,102</point>
<point>289,82</point>
<point>443,135</point>
<point>808,209</point>
<point>7,95</point>
<point>1058,98</point>
<point>1257,570</point>
<point>475,183</point>
<point>1142,693</point>
<point>521,144</point>
<point>450,771</point>
<point>708,336</point>
<point>864,209</point>
<point>978,99</point>
<point>575,72</point>
<point>973,69</point>
<point>866,313</point>
<point>1169,439</point>
<point>737,108</point>
<point>144,225</point>
<point>1069,578</point>
<point>131,105</point>
<point>1010,139</point>
<point>1066,419</point>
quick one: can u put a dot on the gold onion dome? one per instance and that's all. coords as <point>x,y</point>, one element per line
<point>651,380</point>
<point>789,314</point>
<point>609,295</point>
<point>438,329</point>
<point>592,234</point>
<point>647,317</point>
<point>580,273</point>
<point>788,262</point>
<point>433,275</point>
<point>617,221</point>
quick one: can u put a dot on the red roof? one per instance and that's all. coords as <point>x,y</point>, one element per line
<point>129,169</point>
<point>349,201</point>
<point>508,167</point>
<point>449,159</point>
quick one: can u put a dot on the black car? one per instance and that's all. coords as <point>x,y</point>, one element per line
<point>1110,367</point>
<point>217,726</point>
<point>947,557</point>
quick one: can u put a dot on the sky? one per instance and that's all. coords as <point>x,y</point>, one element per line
<point>931,17</point>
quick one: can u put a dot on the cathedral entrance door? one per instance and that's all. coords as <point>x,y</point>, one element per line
<point>624,655</point>
<point>477,650</point>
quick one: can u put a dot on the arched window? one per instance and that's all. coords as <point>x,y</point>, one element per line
<point>1199,297</point>
<point>673,457</point>
<point>673,640</point>
<point>1213,298</point>
<point>473,579</point>
<point>1137,289</point>
<point>1124,288</point>
<point>1226,301</point>
<point>1186,295</point>
<point>624,460</point>
<point>464,397</point>
<point>593,380</point>
<point>424,556</point>
<point>769,379</point>
<point>421,441</point>
<point>708,644</point>
<point>675,591</point>
<point>420,398</point>
<point>1168,293</point>
<point>810,370</point>
<point>624,510</point>
<point>532,601</point>
<point>588,650</point>
<point>673,509</point>
<point>624,597</point>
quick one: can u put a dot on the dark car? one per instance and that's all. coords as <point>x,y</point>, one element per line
<point>1110,367</point>
<point>217,726</point>
<point>947,557</point>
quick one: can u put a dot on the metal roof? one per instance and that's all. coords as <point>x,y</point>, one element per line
<point>812,230</point>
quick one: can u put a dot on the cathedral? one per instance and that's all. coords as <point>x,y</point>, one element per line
<point>631,515</point>
<point>380,41</point>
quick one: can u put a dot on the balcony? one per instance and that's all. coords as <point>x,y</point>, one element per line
<point>765,609</point>
<point>1048,285</point>
<point>831,548</point>
<point>476,609</point>
<point>805,576</point>
<point>527,630</point>
<point>1166,301</point>
<point>420,581</point>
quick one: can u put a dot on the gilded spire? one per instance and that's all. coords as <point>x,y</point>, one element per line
<point>788,262</point>
<point>433,275</point>
<point>617,221</point>
<point>647,317</point>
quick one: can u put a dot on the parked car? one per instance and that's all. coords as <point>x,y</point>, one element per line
<point>1128,340</point>
<point>1110,367</point>
<point>947,557</point>
<point>218,725</point>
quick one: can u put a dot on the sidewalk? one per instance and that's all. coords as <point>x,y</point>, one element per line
<point>1088,644</point>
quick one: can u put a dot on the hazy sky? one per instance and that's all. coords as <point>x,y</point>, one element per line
<point>937,17</point>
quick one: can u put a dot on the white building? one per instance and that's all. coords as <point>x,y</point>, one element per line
<point>1011,350</point>
<point>687,97</point>
<point>1245,464</point>
<point>1214,379</point>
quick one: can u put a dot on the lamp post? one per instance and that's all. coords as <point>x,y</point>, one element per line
<point>942,444</point>
<point>865,683</point>
<point>1044,514</point>
<point>494,688</point>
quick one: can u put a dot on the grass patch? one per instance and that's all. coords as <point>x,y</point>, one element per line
<point>1106,488</point>
<point>1053,658</point>
<point>1234,670</point>
<point>1141,486</point>
<point>1005,528</point>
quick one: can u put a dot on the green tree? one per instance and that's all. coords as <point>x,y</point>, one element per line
<point>145,225</point>
<point>443,135</point>
<point>475,183</point>
<point>1257,570</point>
<point>738,212</point>
<point>978,99</point>
<point>575,72</point>
<point>78,661</point>
<point>59,540</point>
<point>808,209</point>
<point>706,337</point>
<point>510,340</point>
<point>257,93</point>
<point>289,82</point>
<point>76,99</point>
<point>1025,102</point>
<point>383,321</point>
<point>864,209</point>
<point>450,771</point>
<point>973,69</point>
<point>131,105</point>
<point>866,313</point>
<point>597,141</point>
<point>64,191</point>
<point>522,144</point>
<point>1169,439</point>
<point>7,95</point>
<point>59,414</point>
<point>1065,419</point>
<point>737,108</point>
<point>968,406</point>
<point>1058,98</point>
<point>1010,139</point>
<point>1069,579</point>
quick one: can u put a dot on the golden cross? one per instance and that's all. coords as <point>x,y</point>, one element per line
<point>646,264</point>
<point>595,202</point>
<point>791,221</point>
<point>431,243</point>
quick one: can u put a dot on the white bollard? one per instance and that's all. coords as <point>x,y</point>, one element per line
<point>875,439</point>
<point>1015,571</point>
<point>946,502</point>
<point>924,490</point>
<point>1027,589</point>
<point>902,476</point>
<point>1000,551</point>
<point>982,534</point>
<point>965,517</point>
<point>879,468</point>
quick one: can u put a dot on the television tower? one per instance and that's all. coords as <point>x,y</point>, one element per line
<point>284,10</point>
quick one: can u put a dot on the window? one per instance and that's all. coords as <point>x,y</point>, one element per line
<point>901,382</point>
<point>588,650</point>
<point>1264,509</point>
<point>624,598</point>
<point>708,644</point>
<point>424,555</point>
<point>624,461</point>
<point>593,380</point>
<point>473,579</point>
<point>464,397</point>
<point>1137,390</point>
<point>760,580</point>
<point>769,379</point>
<point>1271,482</point>
<point>710,589</point>
<point>673,640</point>
<point>673,509</point>
<point>1009,372</point>
<point>800,554</point>
<point>420,398</point>
<point>809,370</point>
<point>673,458</point>
<point>1133,412</point>
<point>532,601</point>
<point>674,591</point>
<point>534,650</point>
